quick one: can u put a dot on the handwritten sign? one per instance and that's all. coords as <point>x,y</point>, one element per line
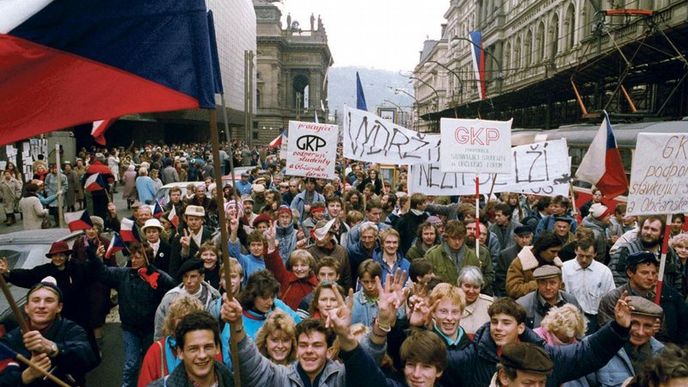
<point>312,149</point>
<point>370,138</point>
<point>659,175</point>
<point>478,146</point>
<point>541,168</point>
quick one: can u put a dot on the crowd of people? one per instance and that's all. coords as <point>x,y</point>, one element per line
<point>351,281</point>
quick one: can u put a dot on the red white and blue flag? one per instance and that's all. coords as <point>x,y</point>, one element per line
<point>156,210</point>
<point>478,55</point>
<point>79,220</point>
<point>277,142</point>
<point>70,62</point>
<point>128,231</point>
<point>116,244</point>
<point>95,182</point>
<point>99,128</point>
<point>602,165</point>
<point>173,217</point>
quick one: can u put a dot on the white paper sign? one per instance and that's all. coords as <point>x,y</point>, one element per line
<point>540,168</point>
<point>659,175</point>
<point>477,146</point>
<point>370,138</point>
<point>312,149</point>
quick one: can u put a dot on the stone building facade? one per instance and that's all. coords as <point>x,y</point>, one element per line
<point>538,53</point>
<point>291,71</point>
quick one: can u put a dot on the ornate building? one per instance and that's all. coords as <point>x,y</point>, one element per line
<point>291,71</point>
<point>554,62</point>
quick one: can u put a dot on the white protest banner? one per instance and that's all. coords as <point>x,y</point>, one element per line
<point>659,175</point>
<point>311,150</point>
<point>368,137</point>
<point>541,168</point>
<point>477,146</point>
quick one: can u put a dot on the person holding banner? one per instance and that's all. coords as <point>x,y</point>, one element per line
<point>52,341</point>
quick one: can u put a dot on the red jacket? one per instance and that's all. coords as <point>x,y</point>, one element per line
<point>292,289</point>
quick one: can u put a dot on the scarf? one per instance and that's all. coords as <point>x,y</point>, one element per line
<point>151,279</point>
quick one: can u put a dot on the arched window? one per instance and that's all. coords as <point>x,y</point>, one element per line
<point>540,43</point>
<point>507,57</point>
<point>553,36</point>
<point>517,54</point>
<point>570,27</point>
<point>528,48</point>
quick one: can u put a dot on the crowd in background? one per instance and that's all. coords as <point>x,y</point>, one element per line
<point>398,279</point>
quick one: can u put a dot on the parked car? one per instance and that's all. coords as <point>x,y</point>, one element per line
<point>26,250</point>
<point>163,194</point>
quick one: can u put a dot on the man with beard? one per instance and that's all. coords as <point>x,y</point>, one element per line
<point>649,238</point>
<point>488,246</point>
<point>641,269</point>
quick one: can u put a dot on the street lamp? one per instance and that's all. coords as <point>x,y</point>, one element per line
<point>450,70</point>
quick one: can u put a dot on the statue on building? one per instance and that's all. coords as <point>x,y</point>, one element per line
<point>312,22</point>
<point>289,21</point>
<point>320,24</point>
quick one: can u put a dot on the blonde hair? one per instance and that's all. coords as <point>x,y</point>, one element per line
<point>278,321</point>
<point>179,308</point>
<point>302,256</point>
<point>565,319</point>
<point>448,291</point>
<point>679,239</point>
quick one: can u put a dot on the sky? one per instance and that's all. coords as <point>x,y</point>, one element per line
<point>380,34</point>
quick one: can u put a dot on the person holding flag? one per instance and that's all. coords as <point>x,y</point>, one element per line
<point>52,343</point>
<point>70,277</point>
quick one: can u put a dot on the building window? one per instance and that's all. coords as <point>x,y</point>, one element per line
<point>570,27</point>
<point>528,48</point>
<point>254,135</point>
<point>554,36</point>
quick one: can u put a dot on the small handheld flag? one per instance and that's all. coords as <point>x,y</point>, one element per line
<point>128,231</point>
<point>173,217</point>
<point>156,210</point>
<point>95,182</point>
<point>116,244</point>
<point>79,220</point>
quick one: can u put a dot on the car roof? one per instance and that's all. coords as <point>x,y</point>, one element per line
<point>46,236</point>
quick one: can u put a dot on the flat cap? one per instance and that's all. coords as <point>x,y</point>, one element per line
<point>563,219</point>
<point>546,271</point>
<point>195,211</point>
<point>526,357</point>
<point>599,211</point>
<point>641,257</point>
<point>189,265</point>
<point>523,230</point>
<point>644,307</point>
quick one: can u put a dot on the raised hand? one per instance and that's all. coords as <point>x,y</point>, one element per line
<point>420,312</point>
<point>185,240</point>
<point>339,318</point>
<point>271,235</point>
<point>231,311</point>
<point>234,224</point>
<point>623,309</point>
<point>4,265</point>
<point>390,297</point>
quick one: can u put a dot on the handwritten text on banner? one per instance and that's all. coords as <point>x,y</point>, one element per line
<point>312,149</point>
<point>659,176</point>
<point>539,168</point>
<point>477,146</point>
<point>368,137</point>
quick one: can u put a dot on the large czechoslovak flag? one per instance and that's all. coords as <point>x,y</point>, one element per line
<point>602,165</point>
<point>70,62</point>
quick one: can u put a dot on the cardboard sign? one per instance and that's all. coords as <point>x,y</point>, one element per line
<point>659,175</point>
<point>368,137</point>
<point>477,146</point>
<point>541,168</point>
<point>311,150</point>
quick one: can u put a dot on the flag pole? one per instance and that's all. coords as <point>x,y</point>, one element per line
<point>477,216</point>
<point>220,198</point>
<point>23,325</point>
<point>662,262</point>
<point>228,138</point>
<point>43,372</point>
<point>60,197</point>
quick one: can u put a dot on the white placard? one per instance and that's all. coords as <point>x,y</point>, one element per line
<point>312,150</point>
<point>540,168</point>
<point>368,137</point>
<point>477,146</point>
<point>659,175</point>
